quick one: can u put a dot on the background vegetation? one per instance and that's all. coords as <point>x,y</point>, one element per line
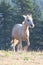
<point>11,12</point>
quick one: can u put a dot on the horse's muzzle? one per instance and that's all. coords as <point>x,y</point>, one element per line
<point>32,25</point>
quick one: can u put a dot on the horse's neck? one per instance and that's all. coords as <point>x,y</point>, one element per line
<point>25,26</point>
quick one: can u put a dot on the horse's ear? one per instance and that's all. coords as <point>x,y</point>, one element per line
<point>24,16</point>
<point>30,15</point>
<point>27,15</point>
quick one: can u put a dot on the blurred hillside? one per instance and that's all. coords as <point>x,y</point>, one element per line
<point>11,12</point>
<point>41,4</point>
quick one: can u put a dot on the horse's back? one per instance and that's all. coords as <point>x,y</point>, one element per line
<point>17,25</point>
<point>17,30</point>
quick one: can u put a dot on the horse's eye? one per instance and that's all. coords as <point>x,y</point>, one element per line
<point>28,20</point>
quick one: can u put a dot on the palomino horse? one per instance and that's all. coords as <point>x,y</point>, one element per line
<point>20,32</point>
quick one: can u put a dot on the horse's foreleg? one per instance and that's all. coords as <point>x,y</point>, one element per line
<point>19,48</point>
<point>28,42</point>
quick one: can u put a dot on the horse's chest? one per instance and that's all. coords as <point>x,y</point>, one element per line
<point>25,35</point>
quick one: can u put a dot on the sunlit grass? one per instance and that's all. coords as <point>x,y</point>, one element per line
<point>21,58</point>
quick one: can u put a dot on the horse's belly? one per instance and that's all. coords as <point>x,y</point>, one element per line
<point>20,36</point>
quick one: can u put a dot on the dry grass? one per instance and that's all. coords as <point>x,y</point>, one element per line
<point>21,58</point>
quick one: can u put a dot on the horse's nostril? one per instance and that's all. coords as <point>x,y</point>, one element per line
<point>31,25</point>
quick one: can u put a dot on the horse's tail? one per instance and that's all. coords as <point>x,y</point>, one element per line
<point>12,41</point>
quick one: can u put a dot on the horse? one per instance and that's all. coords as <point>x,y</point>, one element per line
<point>20,32</point>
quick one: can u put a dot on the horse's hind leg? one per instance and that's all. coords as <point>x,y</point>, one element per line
<point>13,45</point>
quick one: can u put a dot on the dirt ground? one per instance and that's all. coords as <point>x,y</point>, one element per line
<point>21,58</point>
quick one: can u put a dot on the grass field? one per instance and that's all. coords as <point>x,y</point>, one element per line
<point>21,58</point>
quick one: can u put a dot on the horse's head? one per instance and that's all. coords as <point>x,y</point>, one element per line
<point>29,21</point>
